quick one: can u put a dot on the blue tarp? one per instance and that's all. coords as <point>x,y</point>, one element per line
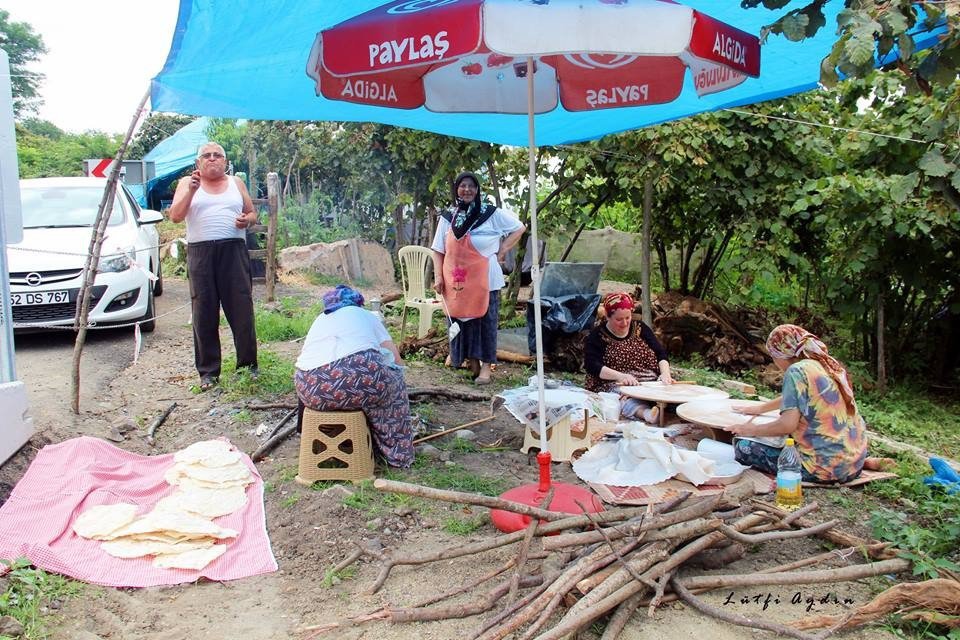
<point>170,157</point>
<point>248,59</point>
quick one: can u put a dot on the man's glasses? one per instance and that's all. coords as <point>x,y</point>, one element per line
<point>212,155</point>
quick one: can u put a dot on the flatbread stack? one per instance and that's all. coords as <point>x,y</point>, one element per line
<point>179,531</point>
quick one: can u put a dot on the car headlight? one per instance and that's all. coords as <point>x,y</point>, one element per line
<point>120,260</point>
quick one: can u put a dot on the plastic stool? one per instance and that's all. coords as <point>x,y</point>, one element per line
<point>334,445</point>
<point>561,440</point>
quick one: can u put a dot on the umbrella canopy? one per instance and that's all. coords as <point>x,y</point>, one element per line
<point>469,56</point>
<point>256,59</point>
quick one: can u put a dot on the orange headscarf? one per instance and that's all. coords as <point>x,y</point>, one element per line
<point>790,341</point>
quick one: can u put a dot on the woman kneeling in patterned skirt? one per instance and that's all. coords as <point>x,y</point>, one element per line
<point>349,363</point>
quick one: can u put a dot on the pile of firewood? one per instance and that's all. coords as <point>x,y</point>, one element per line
<point>729,340</point>
<point>572,570</point>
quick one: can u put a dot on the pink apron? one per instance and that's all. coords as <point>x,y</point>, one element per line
<point>466,278</point>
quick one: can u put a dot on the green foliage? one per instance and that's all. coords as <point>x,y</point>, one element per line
<point>22,46</point>
<point>275,377</point>
<point>290,500</point>
<point>457,478</point>
<point>332,577</point>
<point>463,526</point>
<point>290,319</point>
<point>907,414</point>
<point>29,593</point>
<point>43,150</point>
<point>156,128</point>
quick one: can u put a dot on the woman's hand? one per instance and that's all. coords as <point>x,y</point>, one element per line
<point>750,410</point>
<point>747,428</point>
<point>438,285</point>
<point>627,380</point>
<point>666,378</point>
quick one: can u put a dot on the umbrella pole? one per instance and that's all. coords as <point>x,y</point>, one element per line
<point>535,267</point>
<point>566,498</point>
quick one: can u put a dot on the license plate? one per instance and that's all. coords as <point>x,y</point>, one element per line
<point>31,298</point>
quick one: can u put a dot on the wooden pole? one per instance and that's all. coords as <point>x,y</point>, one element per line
<point>452,429</point>
<point>93,255</point>
<point>646,301</point>
<point>273,200</point>
<point>881,359</point>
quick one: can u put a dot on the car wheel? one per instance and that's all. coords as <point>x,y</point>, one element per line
<point>158,285</point>
<point>148,322</point>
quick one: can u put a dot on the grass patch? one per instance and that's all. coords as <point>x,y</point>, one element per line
<point>291,318</point>
<point>909,415</point>
<point>332,578</point>
<point>373,502</point>
<point>456,478</point>
<point>29,593</point>
<point>244,416</point>
<point>286,473</point>
<point>318,279</point>
<point>463,526</point>
<point>276,377</point>
<point>426,410</point>
<point>290,500</point>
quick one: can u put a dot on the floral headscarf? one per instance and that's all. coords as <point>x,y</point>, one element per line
<point>341,296</point>
<point>614,301</point>
<point>465,213</point>
<point>790,341</point>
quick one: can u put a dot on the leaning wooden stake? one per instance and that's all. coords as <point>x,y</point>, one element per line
<point>93,256</point>
<point>280,434</point>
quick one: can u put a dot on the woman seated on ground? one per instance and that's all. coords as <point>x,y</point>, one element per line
<point>817,410</point>
<point>622,351</point>
<point>349,363</point>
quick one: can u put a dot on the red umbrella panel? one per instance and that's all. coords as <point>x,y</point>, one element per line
<point>469,56</point>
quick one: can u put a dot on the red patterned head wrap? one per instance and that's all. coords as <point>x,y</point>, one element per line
<point>790,341</point>
<point>614,301</point>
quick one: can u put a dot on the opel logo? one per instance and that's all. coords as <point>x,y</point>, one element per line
<point>34,279</point>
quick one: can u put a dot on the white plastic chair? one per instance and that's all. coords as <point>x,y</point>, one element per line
<point>414,262</point>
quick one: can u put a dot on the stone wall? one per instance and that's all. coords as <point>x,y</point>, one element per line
<point>350,260</point>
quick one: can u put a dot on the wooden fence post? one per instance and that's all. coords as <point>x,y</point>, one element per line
<point>273,208</point>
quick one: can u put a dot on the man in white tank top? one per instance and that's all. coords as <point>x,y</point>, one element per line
<point>217,209</point>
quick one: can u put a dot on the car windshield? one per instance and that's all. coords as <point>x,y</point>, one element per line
<point>46,207</point>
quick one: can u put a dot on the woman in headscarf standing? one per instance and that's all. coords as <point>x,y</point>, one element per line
<point>622,351</point>
<point>349,363</point>
<point>471,241</point>
<point>817,409</point>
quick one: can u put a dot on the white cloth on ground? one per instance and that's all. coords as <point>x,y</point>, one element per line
<point>642,456</point>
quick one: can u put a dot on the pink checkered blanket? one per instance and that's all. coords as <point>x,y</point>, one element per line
<point>67,478</point>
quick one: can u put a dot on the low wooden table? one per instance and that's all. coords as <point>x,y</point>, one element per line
<point>664,394</point>
<point>717,415</point>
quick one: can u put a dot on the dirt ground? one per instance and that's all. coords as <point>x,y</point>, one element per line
<point>309,531</point>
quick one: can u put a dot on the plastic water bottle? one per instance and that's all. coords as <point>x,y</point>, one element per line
<point>789,489</point>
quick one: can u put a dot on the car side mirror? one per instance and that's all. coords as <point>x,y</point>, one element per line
<point>149,216</point>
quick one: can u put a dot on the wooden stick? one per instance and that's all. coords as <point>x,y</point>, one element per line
<point>452,429</point>
<point>509,356</point>
<point>620,617</point>
<point>695,510</point>
<point>272,405</point>
<point>843,574</point>
<point>461,497</point>
<point>839,538</point>
<point>748,538</point>
<point>415,394</point>
<point>277,438</point>
<point>159,421</point>
<point>733,618</point>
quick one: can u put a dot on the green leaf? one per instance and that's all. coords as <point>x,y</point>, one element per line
<point>860,47</point>
<point>934,164</point>
<point>955,180</point>
<point>795,27</point>
<point>901,187</point>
